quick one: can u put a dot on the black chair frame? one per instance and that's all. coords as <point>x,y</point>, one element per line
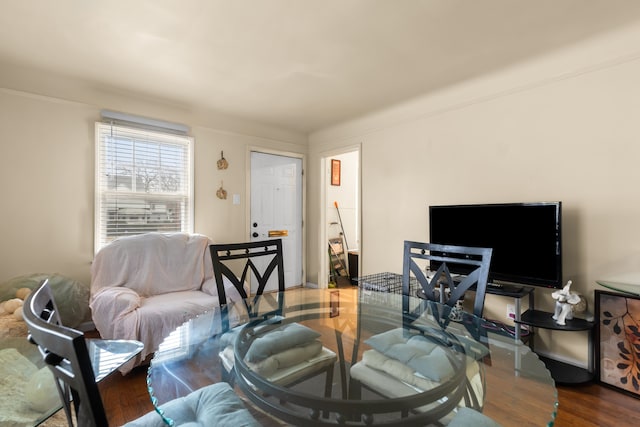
<point>64,350</point>
<point>221,254</point>
<point>226,254</point>
<point>270,252</point>
<point>475,260</point>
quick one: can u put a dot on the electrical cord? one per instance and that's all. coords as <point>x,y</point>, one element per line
<point>495,325</point>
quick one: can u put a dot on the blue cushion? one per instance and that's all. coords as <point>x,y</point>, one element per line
<point>383,341</point>
<point>416,351</point>
<point>213,405</point>
<point>278,340</point>
<point>435,366</point>
<point>468,417</point>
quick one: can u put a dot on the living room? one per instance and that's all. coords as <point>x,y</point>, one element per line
<point>559,122</point>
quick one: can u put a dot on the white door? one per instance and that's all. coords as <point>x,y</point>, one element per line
<point>276,209</point>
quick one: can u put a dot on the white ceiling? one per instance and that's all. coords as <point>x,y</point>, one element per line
<point>300,65</point>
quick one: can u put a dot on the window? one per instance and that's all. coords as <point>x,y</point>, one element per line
<point>144,182</point>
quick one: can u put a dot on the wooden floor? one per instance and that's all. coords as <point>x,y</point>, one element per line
<point>591,405</point>
<point>595,405</point>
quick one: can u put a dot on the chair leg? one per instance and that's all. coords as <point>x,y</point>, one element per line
<point>328,384</point>
<point>355,393</point>
<point>328,387</point>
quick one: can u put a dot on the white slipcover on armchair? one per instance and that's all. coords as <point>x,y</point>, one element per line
<point>145,286</point>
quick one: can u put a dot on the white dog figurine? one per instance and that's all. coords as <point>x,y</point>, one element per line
<point>565,299</point>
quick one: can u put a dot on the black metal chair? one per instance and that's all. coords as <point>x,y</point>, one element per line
<point>262,258</point>
<point>64,351</point>
<point>262,261</point>
<point>67,354</point>
<point>440,285</point>
<point>431,264</point>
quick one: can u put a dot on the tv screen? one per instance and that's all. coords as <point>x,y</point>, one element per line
<point>526,238</point>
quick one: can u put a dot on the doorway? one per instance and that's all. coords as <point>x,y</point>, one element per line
<point>276,209</point>
<point>341,218</point>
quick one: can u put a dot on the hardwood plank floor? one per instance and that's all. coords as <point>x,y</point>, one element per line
<point>593,405</point>
<point>125,398</point>
<point>590,405</point>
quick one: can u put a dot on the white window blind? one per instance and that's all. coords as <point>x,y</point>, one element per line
<point>144,182</point>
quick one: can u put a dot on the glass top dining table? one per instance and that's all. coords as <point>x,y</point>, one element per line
<point>393,360</point>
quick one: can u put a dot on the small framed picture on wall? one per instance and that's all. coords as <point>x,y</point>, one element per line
<point>335,172</point>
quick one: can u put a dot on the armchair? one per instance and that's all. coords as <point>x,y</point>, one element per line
<point>145,286</point>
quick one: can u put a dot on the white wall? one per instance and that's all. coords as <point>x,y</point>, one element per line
<point>560,127</point>
<point>47,174</point>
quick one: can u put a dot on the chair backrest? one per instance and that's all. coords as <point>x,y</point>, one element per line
<point>474,261</point>
<point>64,351</point>
<point>258,261</point>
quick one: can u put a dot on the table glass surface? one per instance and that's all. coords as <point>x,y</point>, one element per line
<point>109,355</point>
<point>106,356</point>
<point>346,320</point>
<point>627,288</point>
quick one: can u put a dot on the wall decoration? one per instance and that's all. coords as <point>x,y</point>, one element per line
<point>221,193</point>
<point>618,341</point>
<point>222,162</point>
<point>335,172</point>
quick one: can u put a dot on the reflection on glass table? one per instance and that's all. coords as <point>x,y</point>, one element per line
<point>626,288</point>
<point>29,393</point>
<point>400,361</point>
<point>109,355</point>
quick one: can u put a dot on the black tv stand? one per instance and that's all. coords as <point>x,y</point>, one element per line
<point>562,373</point>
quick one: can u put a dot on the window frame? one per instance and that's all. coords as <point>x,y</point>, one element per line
<point>155,136</point>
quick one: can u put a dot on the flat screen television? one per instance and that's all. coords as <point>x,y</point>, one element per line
<point>526,239</point>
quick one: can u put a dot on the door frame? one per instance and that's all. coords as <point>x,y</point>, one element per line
<point>303,231</point>
<point>323,231</point>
